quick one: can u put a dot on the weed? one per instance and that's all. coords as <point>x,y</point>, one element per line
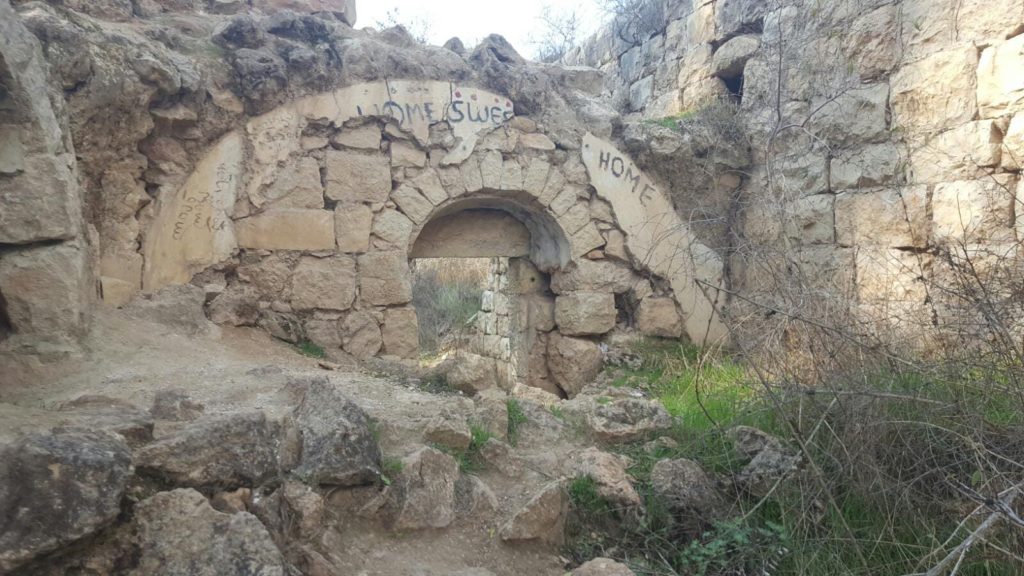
<point>307,348</point>
<point>390,468</point>
<point>516,418</point>
<point>557,412</point>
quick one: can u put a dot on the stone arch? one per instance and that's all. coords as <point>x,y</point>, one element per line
<point>304,219</point>
<point>546,243</point>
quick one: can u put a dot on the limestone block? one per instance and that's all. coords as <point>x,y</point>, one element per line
<point>585,240</point>
<point>735,16</point>
<point>536,141</point>
<point>887,217</point>
<point>593,276</point>
<point>287,230</point>
<point>491,167</point>
<point>297,185</point>
<point>563,201</point>
<point>731,57</point>
<point>1013,144</point>
<point>536,176</point>
<point>869,166</point>
<point>640,93</point>
<point>405,154</point>
<point>811,220</point>
<point>855,117</point>
<point>511,176</point>
<point>872,43</point>
<point>975,210</point>
<point>356,177</point>
<point>364,136</point>
<point>575,218</point>
<point>361,335</point>
<point>472,177</point>
<point>40,200</point>
<point>352,225</point>
<point>540,312</point>
<point>1000,82</point>
<point>958,154</point>
<point>324,333</point>
<point>47,291</point>
<point>659,317</point>
<point>412,203</point>
<point>802,172</point>
<point>393,227</point>
<point>700,24</point>
<point>573,362</point>
<point>585,313</point>
<point>324,283</point>
<point>553,187</point>
<point>988,21</point>
<point>400,332</point>
<point>384,278</point>
<point>116,292</point>
<point>192,228</point>
<point>936,91</point>
<point>890,279</point>
<point>429,184</point>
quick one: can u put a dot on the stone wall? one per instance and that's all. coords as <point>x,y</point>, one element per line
<point>46,284</point>
<point>303,223</point>
<point>884,141</point>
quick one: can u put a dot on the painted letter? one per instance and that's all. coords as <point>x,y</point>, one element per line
<point>603,159</point>
<point>455,110</point>
<point>622,167</point>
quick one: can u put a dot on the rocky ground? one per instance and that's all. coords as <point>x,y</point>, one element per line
<point>171,442</point>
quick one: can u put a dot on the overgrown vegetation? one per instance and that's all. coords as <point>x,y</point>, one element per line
<point>447,294</point>
<point>470,460</point>
<point>892,468</point>
<point>516,418</point>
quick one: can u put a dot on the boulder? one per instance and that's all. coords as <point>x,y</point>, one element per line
<point>471,373</point>
<point>179,307</point>
<point>498,455</point>
<point>175,406</point>
<point>593,276</point>
<point>771,460</point>
<point>1000,85</point>
<point>585,313</point>
<point>491,412</point>
<point>58,487</point>
<point>231,502</point>
<point>448,432</point>
<point>684,487</point>
<point>293,511</point>
<point>627,419</point>
<point>423,494</point>
<point>541,519</point>
<point>609,474</point>
<point>573,362</point>
<point>111,415</point>
<point>238,305</point>
<point>178,533</point>
<point>473,496</point>
<point>224,451</point>
<point>337,445</point>
<point>658,316</point>
<point>602,567</point>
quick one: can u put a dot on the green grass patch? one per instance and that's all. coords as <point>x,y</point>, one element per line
<point>390,468</point>
<point>516,418</point>
<point>470,460</point>
<point>672,122</point>
<point>307,348</point>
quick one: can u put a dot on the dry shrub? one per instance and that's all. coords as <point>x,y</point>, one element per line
<point>447,294</point>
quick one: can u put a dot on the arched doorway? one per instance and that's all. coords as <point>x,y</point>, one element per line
<point>517,245</point>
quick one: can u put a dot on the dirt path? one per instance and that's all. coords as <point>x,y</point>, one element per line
<point>230,369</point>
